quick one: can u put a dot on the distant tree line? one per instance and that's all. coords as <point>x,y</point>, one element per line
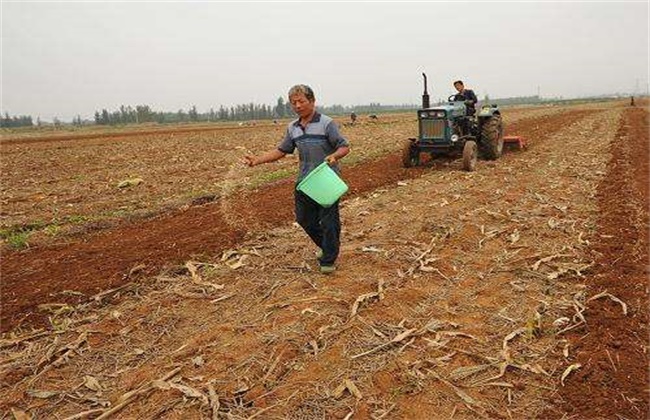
<point>243,112</point>
<point>519,100</point>
<point>17,121</point>
<point>371,108</point>
<point>143,114</point>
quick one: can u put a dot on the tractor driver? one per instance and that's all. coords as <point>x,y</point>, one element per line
<point>466,95</point>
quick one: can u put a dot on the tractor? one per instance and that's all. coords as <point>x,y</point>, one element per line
<point>448,130</point>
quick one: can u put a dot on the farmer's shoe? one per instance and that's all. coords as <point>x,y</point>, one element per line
<point>327,269</point>
<point>319,254</point>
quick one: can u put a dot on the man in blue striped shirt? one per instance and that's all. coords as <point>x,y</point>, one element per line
<point>317,139</point>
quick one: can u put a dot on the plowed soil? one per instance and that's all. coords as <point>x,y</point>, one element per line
<point>613,348</point>
<point>458,294</point>
<point>104,260</point>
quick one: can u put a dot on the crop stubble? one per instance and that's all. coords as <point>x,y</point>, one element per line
<point>447,306</point>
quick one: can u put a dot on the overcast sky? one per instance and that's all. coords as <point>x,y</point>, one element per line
<point>67,58</point>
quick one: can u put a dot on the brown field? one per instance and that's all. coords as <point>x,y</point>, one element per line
<point>516,291</point>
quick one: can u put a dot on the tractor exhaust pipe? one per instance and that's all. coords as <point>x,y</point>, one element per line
<point>425,95</point>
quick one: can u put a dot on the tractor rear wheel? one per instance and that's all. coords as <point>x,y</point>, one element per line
<point>470,154</point>
<point>410,154</point>
<point>492,138</point>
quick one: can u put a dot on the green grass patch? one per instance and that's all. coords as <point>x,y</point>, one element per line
<point>52,230</point>
<point>16,240</point>
<point>75,219</point>
<point>114,213</point>
<point>196,194</point>
<point>16,236</point>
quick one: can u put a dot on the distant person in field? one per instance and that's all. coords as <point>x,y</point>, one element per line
<point>353,117</point>
<point>466,95</point>
<point>317,139</point>
<point>631,100</point>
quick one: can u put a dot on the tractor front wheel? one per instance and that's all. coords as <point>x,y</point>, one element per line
<point>492,138</point>
<point>470,154</point>
<point>410,154</point>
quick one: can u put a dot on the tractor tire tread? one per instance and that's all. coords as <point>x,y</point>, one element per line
<point>492,138</point>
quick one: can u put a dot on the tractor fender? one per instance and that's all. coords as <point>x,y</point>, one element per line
<point>487,111</point>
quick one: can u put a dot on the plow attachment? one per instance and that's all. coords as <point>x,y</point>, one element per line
<point>514,142</point>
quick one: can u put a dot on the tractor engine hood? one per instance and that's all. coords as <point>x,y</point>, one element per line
<point>451,110</point>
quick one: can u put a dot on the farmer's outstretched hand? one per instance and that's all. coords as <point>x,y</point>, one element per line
<point>250,160</point>
<point>331,159</point>
<point>270,156</point>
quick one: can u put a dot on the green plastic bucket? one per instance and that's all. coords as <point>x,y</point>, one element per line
<point>323,185</point>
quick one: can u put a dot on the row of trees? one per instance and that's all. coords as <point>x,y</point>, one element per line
<point>17,121</point>
<point>143,113</point>
<point>519,100</point>
<point>242,112</point>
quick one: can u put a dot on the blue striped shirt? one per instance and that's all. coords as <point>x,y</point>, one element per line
<point>317,140</point>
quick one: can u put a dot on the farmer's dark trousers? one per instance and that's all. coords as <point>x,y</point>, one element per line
<point>322,224</point>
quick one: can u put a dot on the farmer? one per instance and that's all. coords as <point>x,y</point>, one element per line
<point>467,96</point>
<point>317,139</point>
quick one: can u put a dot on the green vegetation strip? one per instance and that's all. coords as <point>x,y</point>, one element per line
<point>16,236</point>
